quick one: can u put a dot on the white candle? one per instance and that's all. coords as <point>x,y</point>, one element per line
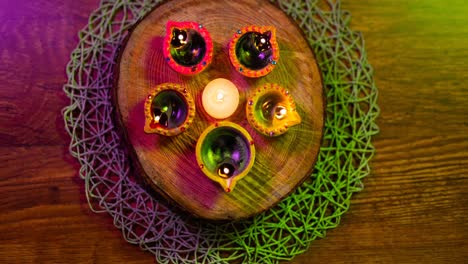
<point>220,98</point>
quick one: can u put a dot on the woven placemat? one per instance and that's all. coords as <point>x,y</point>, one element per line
<point>278,234</point>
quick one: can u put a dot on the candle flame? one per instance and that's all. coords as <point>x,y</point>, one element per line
<point>156,119</point>
<point>280,112</point>
<point>220,96</point>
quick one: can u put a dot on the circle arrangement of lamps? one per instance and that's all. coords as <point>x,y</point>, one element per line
<point>225,153</point>
<point>220,98</point>
<point>188,47</point>
<point>253,50</point>
<point>169,110</point>
<point>271,110</point>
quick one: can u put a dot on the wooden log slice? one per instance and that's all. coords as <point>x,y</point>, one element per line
<point>169,163</point>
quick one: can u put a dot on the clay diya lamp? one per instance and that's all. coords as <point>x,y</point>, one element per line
<point>271,110</point>
<point>253,50</point>
<point>188,47</point>
<point>225,153</point>
<point>169,110</point>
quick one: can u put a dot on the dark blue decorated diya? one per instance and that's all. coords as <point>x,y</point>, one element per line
<point>253,50</point>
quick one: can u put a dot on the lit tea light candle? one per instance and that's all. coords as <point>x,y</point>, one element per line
<point>220,98</point>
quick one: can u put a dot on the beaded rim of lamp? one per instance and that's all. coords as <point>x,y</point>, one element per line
<point>169,110</point>
<point>179,55</point>
<point>225,153</point>
<point>263,65</point>
<point>271,110</point>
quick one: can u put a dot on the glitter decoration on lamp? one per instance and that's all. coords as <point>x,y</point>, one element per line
<point>271,110</point>
<point>188,47</point>
<point>225,153</point>
<point>169,110</point>
<point>253,50</point>
<point>220,98</point>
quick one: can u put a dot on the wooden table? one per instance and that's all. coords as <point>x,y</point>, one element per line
<point>414,207</point>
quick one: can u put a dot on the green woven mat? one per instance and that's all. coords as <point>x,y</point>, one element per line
<point>278,234</point>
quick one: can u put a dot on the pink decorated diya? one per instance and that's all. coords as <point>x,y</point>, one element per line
<point>188,47</point>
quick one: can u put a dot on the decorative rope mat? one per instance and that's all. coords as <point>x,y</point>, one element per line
<point>278,234</point>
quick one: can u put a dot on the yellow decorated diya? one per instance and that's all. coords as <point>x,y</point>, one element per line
<point>271,110</point>
<point>169,110</point>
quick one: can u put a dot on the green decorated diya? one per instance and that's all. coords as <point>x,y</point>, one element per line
<point>225,153</point>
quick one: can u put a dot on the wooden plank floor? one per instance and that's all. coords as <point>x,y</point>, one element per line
<point>414,208</point>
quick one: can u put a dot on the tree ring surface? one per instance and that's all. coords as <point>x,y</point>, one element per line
<point>169,163</point>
